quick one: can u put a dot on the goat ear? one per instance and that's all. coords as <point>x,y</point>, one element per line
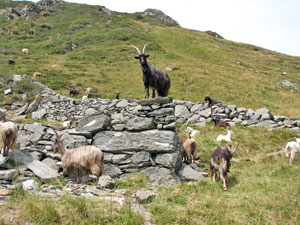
<point>136,57</point>
<point>147,56</point>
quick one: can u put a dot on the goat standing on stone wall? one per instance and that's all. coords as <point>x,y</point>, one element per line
<point>155,78</point>
<point>88,157</point>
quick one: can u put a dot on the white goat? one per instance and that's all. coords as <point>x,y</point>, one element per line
<point>192,132</point>
<point>294,147</point>
<point>25,50</point>
<point>225,137</point>
<point>8,137</point>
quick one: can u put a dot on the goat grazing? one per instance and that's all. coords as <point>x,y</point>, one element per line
<point>25,50</point>
<point>90,91</point>
<point>9,135</point>
<point>189,150</point>
<point>154,78</point>
<point>218,123</point>
<point>38,74</point>
<point>211,101</point>
<point>73,91</point>
<point>11,62</point>
<point>88,157</point>
<point>220,161</point>
<point>226,137</point>
<point>291,149</point>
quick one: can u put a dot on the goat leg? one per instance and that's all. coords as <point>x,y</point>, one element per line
<point>147,93</point>
<point>153,92</point>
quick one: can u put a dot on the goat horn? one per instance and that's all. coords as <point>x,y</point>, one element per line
<point>145,47</point>
<point>136,49</point>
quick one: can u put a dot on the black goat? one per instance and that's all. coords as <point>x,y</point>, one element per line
<point>211,101</point>
<point>153,77</point>
<point>220,161</point>
<point>11,62</point>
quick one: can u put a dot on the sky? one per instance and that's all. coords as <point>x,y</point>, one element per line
<point>270,24</point>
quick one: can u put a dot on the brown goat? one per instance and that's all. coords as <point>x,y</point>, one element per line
<point>9,135</point>
<point>220,161</point>
<point>189,150</point>
<point>73,91</point>
<point>88,157</point>
<point>218,123</point>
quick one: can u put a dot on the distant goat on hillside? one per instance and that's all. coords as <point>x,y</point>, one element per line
<point>155,78</point>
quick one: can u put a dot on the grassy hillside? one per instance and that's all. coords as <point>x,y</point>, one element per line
<point>231,72</point>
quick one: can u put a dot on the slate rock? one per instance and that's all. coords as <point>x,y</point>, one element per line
<point>111,170</point>
<point>160,176</point>
<point>30,185</point>
<point>8,175</point>
<point>143,196</point>
<point>169,160</point>
<point>43,171</point>
<point>106,182</point>
<point>32,107</point>
<point>152,141</point>
<point>181,111</point>
<point>139,124</point>
<point>189,174</point>
<point>93,123</point>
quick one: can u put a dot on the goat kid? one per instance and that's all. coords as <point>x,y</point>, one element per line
<point>220,161</point>
<point>189,150</point>
<point>153,77</point>
<point>9,135</point>
<point>88,157</point>
<point>226,137</point>
<point>291,149</point>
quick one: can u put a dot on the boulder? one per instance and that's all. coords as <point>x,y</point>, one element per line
<point>160,176</point>
<point>181,111</point>
<point>111,170</point>
<point>169,160</point>
<point>106,182</point>
<point>152,141</point>
<point>162,112</point>
<point>140,157</point>
<point>30,185</point>
<point>73,141</point>
<point>205,113</point>
<point>143,196</point>
<point>38,115</point>
<point>158,100</point>
<point>16,158</point>
<point>189,174</point>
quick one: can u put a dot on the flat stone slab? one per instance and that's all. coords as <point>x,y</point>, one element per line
<point>43,171</point>
<point>152,141</point>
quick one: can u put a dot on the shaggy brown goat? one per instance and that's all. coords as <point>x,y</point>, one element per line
<point>220,161</point>
<point>88,157</point>
<point>9,135</point>
<point>189,150</point>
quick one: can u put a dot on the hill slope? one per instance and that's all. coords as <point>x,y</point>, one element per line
<point>89,46</point>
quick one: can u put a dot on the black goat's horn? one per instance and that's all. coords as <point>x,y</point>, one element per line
<point>136,49</point>
<point>145,47</point>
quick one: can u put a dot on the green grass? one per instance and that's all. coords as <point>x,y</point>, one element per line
<point>262,189</point>
<point>105,61</point>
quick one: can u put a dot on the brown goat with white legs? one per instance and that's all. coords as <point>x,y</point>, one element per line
<point>189,150</point>
<point>9,135</point>
<point>220,161</point>
<point>88,157</point>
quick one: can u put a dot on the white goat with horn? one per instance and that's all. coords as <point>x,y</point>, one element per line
<point>226,137</point>
<point>88,157</point>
